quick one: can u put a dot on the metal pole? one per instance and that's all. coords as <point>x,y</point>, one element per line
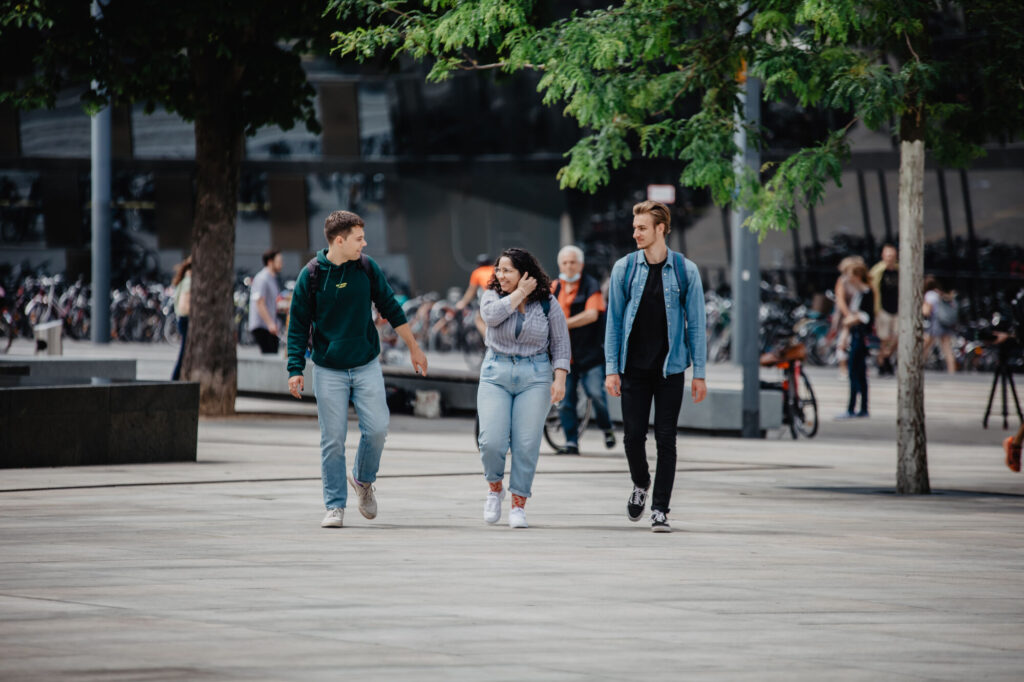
<point>746,274</point>
<point>100,179</point>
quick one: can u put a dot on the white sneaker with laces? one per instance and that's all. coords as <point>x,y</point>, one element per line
<point>517,518</point>
<point>367,502</point>
<point>492,506</point>
<point>335,519</point>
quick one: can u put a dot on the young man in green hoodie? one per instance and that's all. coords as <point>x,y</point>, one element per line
<point>335,301</point>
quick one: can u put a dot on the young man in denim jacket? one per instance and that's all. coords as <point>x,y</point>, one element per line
<point>655,330</point>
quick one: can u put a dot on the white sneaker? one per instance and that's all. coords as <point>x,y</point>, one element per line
<point>335,519</point>
<point>492,506</point>
<point>517,518</point>
<point>367,502</point>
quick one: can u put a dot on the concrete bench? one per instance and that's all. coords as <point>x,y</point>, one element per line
<point>721,412</point>
<point>58,411</point>
<point>72,368</point>
<point>74,422</point>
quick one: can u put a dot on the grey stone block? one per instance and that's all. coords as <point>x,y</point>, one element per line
<point>116,423</point>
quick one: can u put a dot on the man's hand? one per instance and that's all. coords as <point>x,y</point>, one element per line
<point>295,386</point>
<point>419,360</point>
<point>699,390</point>
<point>613,385</point>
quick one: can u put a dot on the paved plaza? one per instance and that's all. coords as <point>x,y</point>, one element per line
<point>790,560</point>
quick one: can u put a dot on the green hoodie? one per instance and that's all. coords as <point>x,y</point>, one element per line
<point>344,335</point>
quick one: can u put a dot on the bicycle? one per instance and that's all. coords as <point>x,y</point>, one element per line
<point>553,432</point>
<point>799,406</point>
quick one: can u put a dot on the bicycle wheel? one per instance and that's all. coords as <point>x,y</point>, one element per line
<point>804,409</point>
<point>473,348</point>
<point>553,432</point>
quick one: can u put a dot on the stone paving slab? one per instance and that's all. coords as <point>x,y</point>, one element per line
<point>790,561</point>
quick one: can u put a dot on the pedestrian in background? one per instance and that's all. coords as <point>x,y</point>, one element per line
<point>263,303</point>
<point>940,314</point>
<point>858,322</point>
<point>182,283</point>
<point>885,279</point>
<point>522,376</point>
<point>579,294</point>
<point>844,291</point>
<point>656,329</point>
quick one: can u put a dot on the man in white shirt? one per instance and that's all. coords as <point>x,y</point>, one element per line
<point>263,303</point>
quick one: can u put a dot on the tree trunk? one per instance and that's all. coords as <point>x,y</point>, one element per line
<point>210,353</point>
<point>912,458</point>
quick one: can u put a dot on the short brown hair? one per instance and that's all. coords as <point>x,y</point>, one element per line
<point>658,210</point>
<point>269,255</point>
<point>341,223</point>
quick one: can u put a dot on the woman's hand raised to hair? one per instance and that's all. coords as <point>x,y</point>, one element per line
<point>527,284</point>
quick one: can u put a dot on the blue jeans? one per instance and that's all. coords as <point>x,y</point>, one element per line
<point>513,400</point>
<point>333,389</point>
<point>592,381</point>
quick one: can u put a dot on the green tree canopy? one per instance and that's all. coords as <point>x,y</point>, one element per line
<point>230,67</point>
<point>658,78</point>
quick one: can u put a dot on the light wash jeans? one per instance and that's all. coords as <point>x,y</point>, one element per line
<point>592,381</point>
<point>333,390</point>
<point>512,401</point>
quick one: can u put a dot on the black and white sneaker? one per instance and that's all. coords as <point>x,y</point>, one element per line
<point>636,503</point>
<point>659,522</point>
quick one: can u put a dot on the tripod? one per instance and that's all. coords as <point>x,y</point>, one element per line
<point>1004,376</point>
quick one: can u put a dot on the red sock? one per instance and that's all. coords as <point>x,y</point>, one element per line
<point>495,486</point>
<point>518,501</point>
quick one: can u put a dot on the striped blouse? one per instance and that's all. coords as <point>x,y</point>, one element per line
<point>539,333</point>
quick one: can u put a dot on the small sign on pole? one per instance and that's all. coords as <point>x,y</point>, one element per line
<point>666,194</point>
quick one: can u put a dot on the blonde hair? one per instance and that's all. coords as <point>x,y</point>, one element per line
<point>849,262</point>
<point>656,209</point>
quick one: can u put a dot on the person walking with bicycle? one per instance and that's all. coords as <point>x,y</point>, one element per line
<point>330,310</point>
<point>522,376</point>
<point>656,329</point>
<point>580,296</point>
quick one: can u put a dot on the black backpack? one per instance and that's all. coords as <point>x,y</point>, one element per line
<point>313,272</point>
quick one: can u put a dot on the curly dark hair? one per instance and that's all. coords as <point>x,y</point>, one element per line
<point>526,264</point>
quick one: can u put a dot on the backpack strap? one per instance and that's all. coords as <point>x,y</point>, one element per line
<point>680,268</point>
<point>313,273</point>
<point>631,264</point>
<point>545,305</point>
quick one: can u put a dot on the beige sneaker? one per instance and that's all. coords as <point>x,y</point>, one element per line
<point>367,502</point>
<point>335,519</point>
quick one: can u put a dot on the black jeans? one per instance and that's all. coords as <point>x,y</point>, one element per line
<point>267,342</point>
<point>858,368</point>
<point>639,388</point>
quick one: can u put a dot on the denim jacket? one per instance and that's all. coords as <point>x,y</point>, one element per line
<point>687,340</point>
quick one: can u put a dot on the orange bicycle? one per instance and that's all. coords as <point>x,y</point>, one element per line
<point>799,406</point>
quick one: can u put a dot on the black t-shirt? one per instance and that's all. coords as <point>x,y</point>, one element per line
<point>889,291</point>
<point>648,340</point>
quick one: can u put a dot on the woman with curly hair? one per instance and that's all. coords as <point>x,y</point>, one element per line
<point>527,339</point>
